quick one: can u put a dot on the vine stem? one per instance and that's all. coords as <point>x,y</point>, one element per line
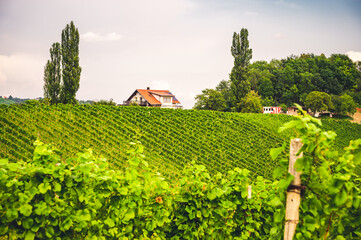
<point>328,227</point>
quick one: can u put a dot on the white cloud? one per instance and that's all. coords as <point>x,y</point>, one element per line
<point>185,98</point>
<point>96,37</point>
<point>279,35</point>
<point>160,85</point>
<point>355,56</point>
<point>21,75</point>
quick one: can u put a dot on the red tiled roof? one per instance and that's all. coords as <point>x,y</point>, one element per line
<point>148,97</point>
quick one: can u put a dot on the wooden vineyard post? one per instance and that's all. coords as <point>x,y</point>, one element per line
<point>293,191</point>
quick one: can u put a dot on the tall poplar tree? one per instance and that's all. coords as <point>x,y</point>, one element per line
<point>242,54</point>
<point>70,63</point>
<point>52,75</point>
<point>62,71</point>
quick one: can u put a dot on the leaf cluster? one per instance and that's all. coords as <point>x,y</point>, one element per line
<point>330,204</point>
<point>82,198</point>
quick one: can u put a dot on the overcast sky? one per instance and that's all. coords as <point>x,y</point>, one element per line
<point>178,45</point>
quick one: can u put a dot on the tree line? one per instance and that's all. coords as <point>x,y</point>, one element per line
<point>284,82</point>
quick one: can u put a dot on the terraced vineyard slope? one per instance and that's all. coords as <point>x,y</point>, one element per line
<point>172,138</point>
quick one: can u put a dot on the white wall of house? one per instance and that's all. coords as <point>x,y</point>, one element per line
<point>177,106</point>
<point>156,97</point>
<point>167,101</point>
<point>137,98</point>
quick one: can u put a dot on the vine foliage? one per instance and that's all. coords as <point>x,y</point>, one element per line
<point>330,201</point>
<point>82,197</point>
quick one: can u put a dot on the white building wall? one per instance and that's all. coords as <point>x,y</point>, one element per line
<point>169,103</point>
<point>137,96</point>
<point>156,97</point>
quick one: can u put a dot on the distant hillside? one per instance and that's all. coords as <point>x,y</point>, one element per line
<point>6,101</point>
<point>12,100</point>
<point>172,138</point>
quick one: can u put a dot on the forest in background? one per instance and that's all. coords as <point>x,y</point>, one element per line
<point>290,80</point>
<point>282,82</point>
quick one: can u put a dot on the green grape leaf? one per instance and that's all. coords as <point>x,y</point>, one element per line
<point>109,222</point>
<point>44,187</point>
<point>274,152</point>
<point>26,209</point>
<point>341,198</point>
<point>29,235</point>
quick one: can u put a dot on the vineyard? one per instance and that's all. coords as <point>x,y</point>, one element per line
<point>64,190</point>
<point>172,138</point>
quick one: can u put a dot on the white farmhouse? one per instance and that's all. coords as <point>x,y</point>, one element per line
<point>153,98</point>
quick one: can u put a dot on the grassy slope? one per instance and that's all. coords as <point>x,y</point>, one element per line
<point>172,138</point>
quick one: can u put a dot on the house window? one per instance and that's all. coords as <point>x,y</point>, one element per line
<point>166,100</point>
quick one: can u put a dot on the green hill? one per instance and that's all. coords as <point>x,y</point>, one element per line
<point>172,138</point>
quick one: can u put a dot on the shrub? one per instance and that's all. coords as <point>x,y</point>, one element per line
<point>82,198</point>
<point>251,103</point>
<point>105,102</point>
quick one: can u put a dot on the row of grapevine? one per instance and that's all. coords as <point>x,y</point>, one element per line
<point>82,197</point>
<point>172,138</point>
<point>345,130</point>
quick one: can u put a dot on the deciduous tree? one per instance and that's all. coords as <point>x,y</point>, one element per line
<point>210,99</point>
<point>70,63</point>
<point>343,104</point>
<point>251,103</point>
<point>242,54</point>
<point>224,87</point>
<point>265,87</point>
<point>62,71</point>
<point>52,75</point>
<point>318,101</point>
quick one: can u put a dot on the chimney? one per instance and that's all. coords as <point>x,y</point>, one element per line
<point>148,88</point>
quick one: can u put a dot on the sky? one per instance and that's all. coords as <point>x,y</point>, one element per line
<point>177,45</point>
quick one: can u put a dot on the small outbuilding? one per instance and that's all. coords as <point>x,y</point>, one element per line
<point>272,110</point>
